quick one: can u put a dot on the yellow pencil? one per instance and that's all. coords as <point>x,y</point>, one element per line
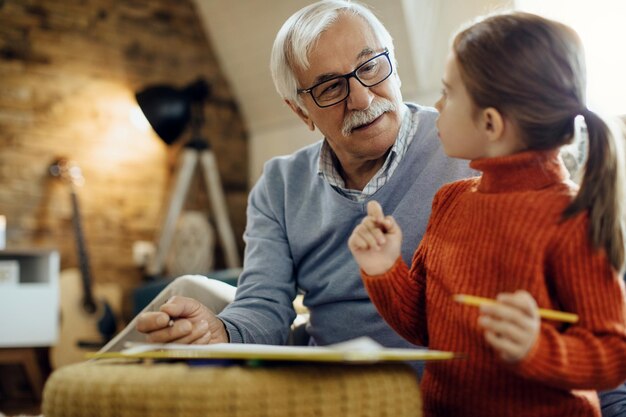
<point>472,300</point>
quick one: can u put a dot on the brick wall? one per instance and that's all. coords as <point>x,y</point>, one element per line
<point>68,73</point>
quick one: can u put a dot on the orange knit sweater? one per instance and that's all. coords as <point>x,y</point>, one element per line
<point>499,233</point>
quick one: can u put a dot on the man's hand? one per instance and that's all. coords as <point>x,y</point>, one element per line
<point>182,320</point>
<point>376,242</point>
<point>512,325</point>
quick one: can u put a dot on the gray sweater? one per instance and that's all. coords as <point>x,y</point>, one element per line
<point>296,240</point>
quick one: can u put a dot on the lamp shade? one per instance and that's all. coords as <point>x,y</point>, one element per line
<point>168,109</point>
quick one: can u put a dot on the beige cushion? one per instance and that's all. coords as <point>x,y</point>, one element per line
<point>109,388</point>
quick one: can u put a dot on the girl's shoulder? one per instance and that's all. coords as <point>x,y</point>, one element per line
<point>450,191</point>
<point>458,187</point>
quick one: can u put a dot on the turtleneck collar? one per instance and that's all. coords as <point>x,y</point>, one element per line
<point>523,171</point>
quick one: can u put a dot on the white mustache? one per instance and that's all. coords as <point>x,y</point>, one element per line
<point>362,117</point>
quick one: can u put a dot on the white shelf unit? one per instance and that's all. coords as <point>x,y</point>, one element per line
<point>29,310</point>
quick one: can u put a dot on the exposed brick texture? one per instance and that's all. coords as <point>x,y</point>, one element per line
<point>68,73</point>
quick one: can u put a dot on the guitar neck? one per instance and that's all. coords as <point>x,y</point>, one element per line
<point>85,271</point>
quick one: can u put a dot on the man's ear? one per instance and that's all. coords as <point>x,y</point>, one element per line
<point>492,124</point>
<point>301,114</point>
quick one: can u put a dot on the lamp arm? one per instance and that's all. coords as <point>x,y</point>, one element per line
<point>220,211</point>
<point>186,168</point>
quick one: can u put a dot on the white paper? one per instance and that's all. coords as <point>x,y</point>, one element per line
<point>362,349</point>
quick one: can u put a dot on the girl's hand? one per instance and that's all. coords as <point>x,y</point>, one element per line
<point>511,326</point>
<point>376,242</point>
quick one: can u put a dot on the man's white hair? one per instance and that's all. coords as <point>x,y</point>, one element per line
<point>300,32</point>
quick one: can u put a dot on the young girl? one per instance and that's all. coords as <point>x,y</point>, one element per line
<point>521,233</point>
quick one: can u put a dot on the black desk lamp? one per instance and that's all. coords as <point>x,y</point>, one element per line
<point>169,111</point>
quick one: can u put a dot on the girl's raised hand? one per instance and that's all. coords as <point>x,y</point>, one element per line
<point>376,242</point>
<point>512,325</point>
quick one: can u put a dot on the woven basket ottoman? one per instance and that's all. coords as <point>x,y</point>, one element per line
<point>109,388</point>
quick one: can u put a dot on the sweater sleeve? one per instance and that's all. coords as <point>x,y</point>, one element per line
<point>262,311</point>
<point>590,354</point>
<point>400,294</point>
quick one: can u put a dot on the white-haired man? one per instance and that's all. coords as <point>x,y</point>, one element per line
<point>333,64</point>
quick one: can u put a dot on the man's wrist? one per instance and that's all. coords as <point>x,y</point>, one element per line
<point>232,333</point>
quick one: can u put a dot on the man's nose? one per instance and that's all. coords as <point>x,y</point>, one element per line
<point>360,96</point>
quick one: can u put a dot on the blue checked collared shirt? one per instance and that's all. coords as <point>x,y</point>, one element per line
<point>327,160</point>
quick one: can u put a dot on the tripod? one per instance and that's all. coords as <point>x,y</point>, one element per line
<point>196,151</point>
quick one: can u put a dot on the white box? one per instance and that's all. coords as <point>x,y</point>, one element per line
<point>9,272</point>
<point>29,311</point>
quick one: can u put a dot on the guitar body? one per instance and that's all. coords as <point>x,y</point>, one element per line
<point>78,327</point>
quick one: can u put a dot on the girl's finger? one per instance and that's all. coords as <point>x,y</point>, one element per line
<point>377,228</point>
<point>375,210</point>
<point>367,236</point>
<point>520,299</point>
<point>357,242</point>
<point>505,329</point>
<point>508,313</point>
<point>508,350</point>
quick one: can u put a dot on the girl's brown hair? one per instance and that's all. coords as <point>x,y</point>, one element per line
<point>532,70</point>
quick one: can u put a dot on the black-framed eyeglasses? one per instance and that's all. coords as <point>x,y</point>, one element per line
<point>335,90</point>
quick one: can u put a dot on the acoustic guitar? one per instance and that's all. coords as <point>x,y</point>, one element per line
<point>88,312</point>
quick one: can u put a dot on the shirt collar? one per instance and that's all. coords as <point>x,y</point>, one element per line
<point>327,163</point>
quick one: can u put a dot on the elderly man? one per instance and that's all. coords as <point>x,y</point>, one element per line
<point>333,64</point>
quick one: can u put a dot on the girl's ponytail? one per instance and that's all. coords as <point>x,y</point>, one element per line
<point>601,190</point>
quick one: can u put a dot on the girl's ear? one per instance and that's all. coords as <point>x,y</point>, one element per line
<point>301,114</point>
<point>492,124</point>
